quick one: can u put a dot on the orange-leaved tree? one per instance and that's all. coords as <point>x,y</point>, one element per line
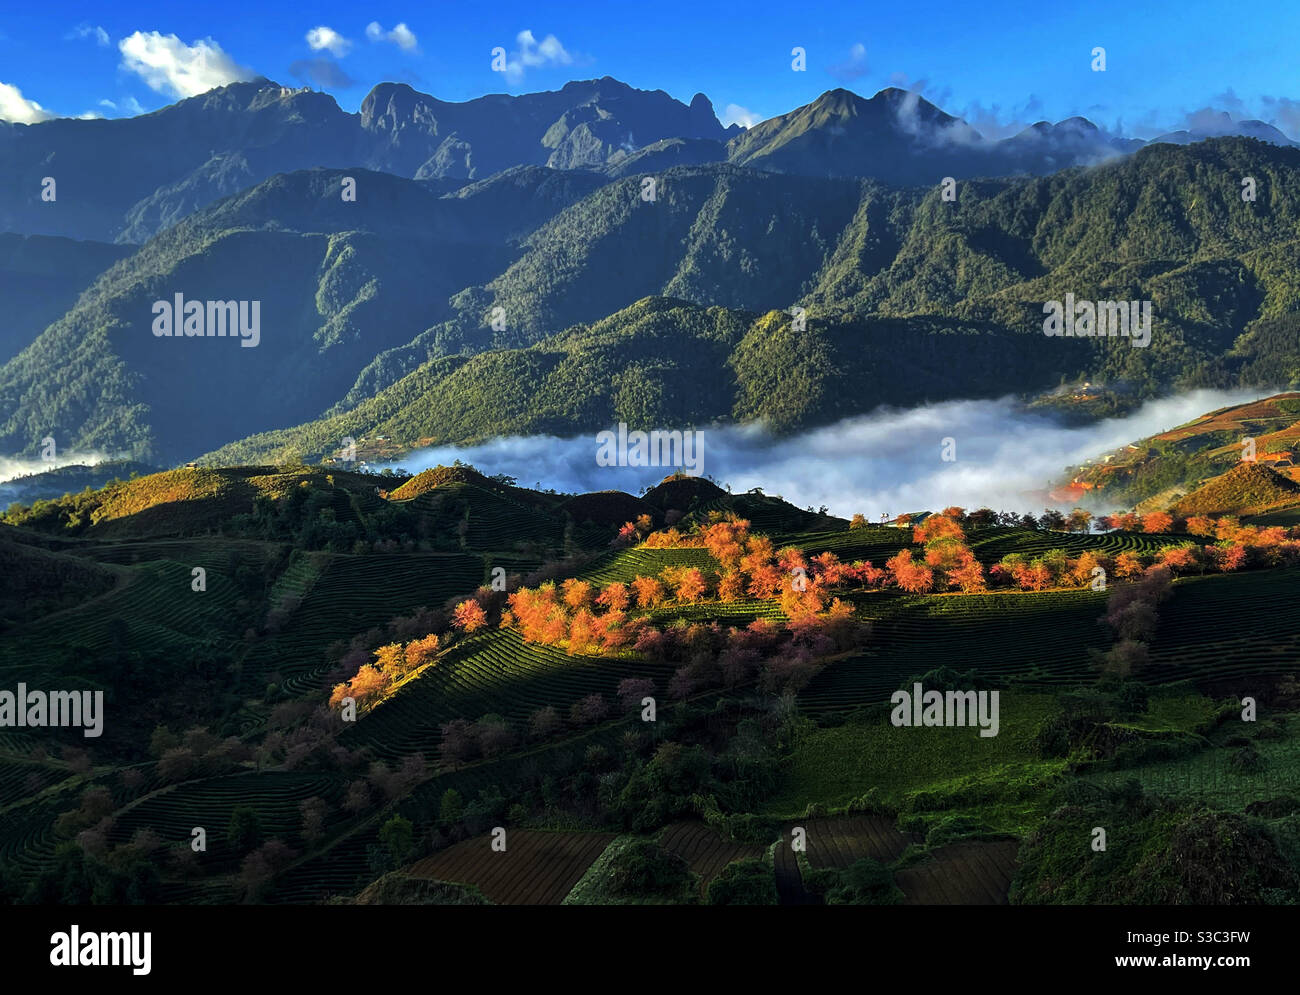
<point>469,616</point>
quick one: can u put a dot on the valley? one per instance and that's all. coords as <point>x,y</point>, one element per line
<point>862,484</point>
<point>485,708</point>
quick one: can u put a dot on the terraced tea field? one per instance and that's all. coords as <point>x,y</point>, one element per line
<point>1227,632</point>
<point>497,523</point>
<point>212,553</point>
<point>627,564</point>
<point>27,837</point>
<point>879,542</point>
<point>486,520</point>
<point>837,842</point>
<point>339,595</point>
<point>990,545</point>
<point>20,780</point>
<point>341,867</point>
<point>275,796</point>
<point>965,873</point>
<point>736,613</point>
<point>343,595</point>
<point>765,513</point>
<point>876,543</point>
<point>925,768</point>
<point>493,672</point>
<point>1229,626</point>
<point>1042,637</point>
<point>156,604</point>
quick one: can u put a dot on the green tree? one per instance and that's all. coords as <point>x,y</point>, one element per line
<point>398,836</point>
<point>866,882</point>
<point>245,829</point>
<point>744,882</point>
<point>451,808</point>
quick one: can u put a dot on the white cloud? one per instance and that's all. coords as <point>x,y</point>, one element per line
<point>18,109</point>
<point>996,122</point>
<point>531,54</point>
<point>327,39</point>
<point>1284,114</point>
<point>743,116</point>
<point>170,66</point>
<point>852,68</point>
<point>1227,115</point>
<point>84,30</point>
<point>90,116</point>
<point>401,36</point>
<point>11,469</point>
<point>130,105</point>
<point>883,462</point>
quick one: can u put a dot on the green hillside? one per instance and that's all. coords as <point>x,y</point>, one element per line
<point>216,696</point>
<point>415,296</point>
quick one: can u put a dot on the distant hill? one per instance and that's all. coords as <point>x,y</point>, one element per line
<point>899,137</point>
<point>610,508</point>
<point>34,580</point>
<point>1199,467</point>
<point>665,363</point>
<point>414,311</point>
<point>439,476</point>
<point>1246,489</point>
<point>182,502</point>
<point>69,480</point>
<point>681,492</point>
<point>40,279</point>
<point>907,297</point>
<point>127,179</point>
<point>584,124</point>
<point>261,501</point>
<point>665,154</point>
<point>1223,125</point>
<point>335,287</point>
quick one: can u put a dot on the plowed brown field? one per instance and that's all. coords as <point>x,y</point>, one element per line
<point>704,849</point>
<point>840,840</point>
<point>961,874</point>
<point>536,868</point>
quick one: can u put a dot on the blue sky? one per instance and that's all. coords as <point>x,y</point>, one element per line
<point>999,64</point>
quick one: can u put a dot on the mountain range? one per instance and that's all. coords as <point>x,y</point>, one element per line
<point>504,267</point>
<point>126,179</point>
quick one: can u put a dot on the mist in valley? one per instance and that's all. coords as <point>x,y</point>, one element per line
<point>888,462</point>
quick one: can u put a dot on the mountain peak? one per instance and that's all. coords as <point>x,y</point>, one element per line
<point>383,93</point>
<point>839,98</point>
<point>391,104</point>
<point>604,86</point>
<point>391,87</point>
<point>703,118</point>
<point>240,90</point>
<point>701,102</point>
<point>1078,124</point>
